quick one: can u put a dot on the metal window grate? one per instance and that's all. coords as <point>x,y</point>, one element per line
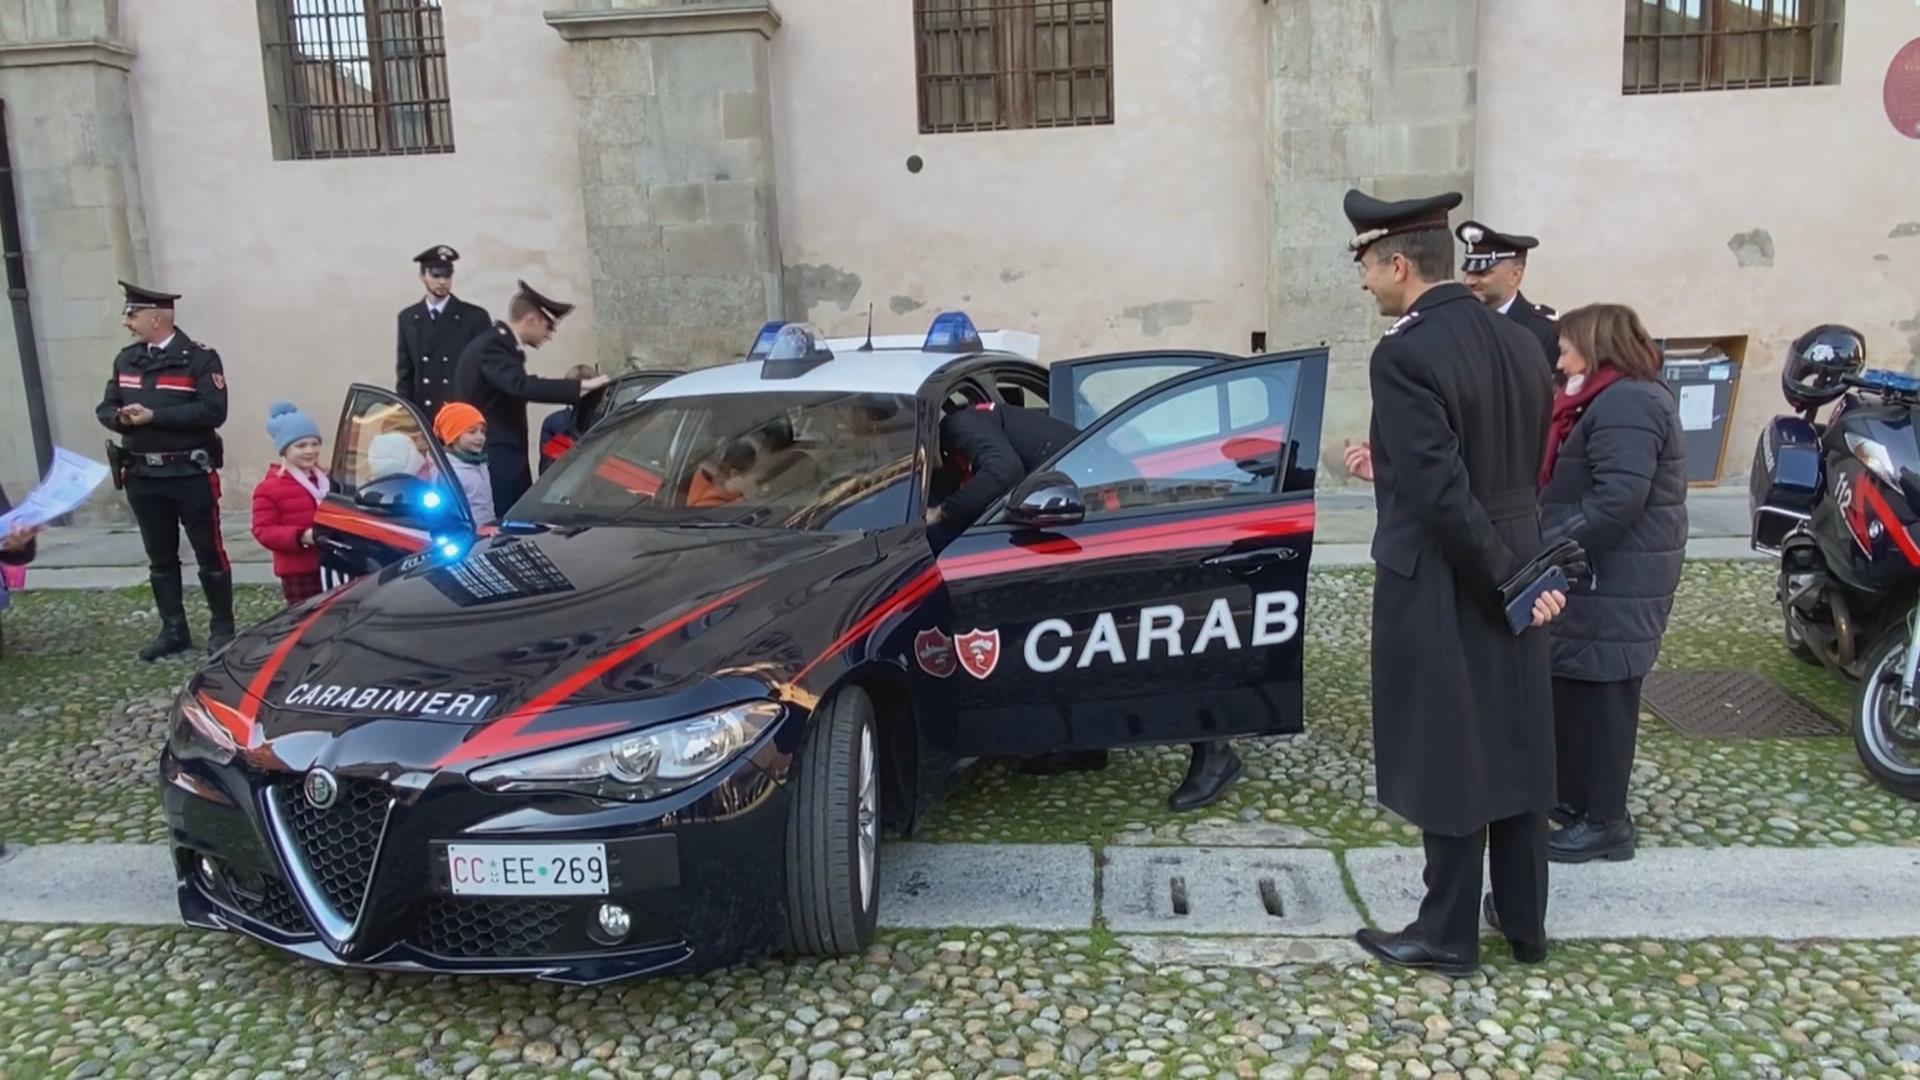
<point>1674,46</point>
<point>992,65</point>
<point>358,78</point>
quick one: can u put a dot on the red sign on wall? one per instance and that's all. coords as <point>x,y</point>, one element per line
<point>1902,91</point>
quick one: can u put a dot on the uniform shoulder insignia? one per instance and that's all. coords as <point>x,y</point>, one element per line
<point>1402,323</point>
<point>1547,311</point>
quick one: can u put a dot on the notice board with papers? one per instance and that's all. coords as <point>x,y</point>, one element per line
<point>1704,375</point>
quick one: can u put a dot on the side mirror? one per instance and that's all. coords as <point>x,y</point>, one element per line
<point>400,495</point>
<point>1046,500</point>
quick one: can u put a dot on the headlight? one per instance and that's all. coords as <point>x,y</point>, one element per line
<point>1874,456</point>
<point>205,735</point>
<point>639,765</point>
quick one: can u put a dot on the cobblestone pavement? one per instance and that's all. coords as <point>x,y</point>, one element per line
<point>160,1002</point>
<point>75,703</point>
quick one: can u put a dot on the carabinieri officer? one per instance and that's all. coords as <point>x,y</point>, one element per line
<point>1493,266</point>
<point>1462,707</point>
<point>492,376</point>
<point>166,399</point>
<point>434,332</point>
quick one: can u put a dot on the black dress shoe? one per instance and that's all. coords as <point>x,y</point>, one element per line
<point>1406,950</point>
<point>1064,761</point>
<point>1522,951</point>
<point>1564,815</point>
<point>1586,840</point>
<point>1211,771</point>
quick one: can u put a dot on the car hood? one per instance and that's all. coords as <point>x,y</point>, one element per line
<point>584,617</point>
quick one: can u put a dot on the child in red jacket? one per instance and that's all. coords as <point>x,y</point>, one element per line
<point>284,502</point>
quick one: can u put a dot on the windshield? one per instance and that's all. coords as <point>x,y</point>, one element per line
<point>828,460</point>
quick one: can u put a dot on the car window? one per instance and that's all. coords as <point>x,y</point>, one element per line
<point>1221,437</point>
<point>380,438</point>
<point>822,460</point>
<point>1021,390</point>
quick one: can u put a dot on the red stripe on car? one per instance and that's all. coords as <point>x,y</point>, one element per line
<point>1176,535</point>
<point>241,721</point>
<point>505,735</point>
<point>912,593</point>
<point>369,528</point>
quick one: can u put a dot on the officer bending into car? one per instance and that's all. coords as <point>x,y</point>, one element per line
<point>166,399</point>
<point>492,376</point>
<point>993,448</point>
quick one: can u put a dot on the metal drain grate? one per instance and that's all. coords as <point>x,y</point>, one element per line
<point>1731,705</point>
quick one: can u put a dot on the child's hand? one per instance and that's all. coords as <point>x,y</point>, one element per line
<point>306,538</point>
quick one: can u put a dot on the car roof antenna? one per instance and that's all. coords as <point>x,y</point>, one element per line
<point>868,347</point>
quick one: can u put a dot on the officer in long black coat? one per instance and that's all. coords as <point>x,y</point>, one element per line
<point>433,332</point>
<point>1493,265</point>
<point>166,399</point>
<point>1462,707</point>
<point>492,377</point>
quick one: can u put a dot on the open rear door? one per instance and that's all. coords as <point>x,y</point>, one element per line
<point>1175,610</point>
<point>391,492</point>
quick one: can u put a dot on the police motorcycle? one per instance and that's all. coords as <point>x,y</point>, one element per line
<point>1839,503</point>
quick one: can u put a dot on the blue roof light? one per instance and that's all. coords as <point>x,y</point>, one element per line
<point>431,500</point>
<point>952,331</point>
<point>763,341</point>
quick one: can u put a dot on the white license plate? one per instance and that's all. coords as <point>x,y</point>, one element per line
<point>527,869</point>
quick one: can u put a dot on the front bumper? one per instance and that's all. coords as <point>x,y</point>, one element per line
<point>363,884</point>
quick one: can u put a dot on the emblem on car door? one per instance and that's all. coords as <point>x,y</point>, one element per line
<point>979,652</point>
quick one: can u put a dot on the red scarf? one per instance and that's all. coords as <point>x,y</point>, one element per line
<point>1569,408</point>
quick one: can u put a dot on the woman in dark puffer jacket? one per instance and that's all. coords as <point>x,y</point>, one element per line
<point>1615,481</point>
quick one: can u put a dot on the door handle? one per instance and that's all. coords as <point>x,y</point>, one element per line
<point>1248,562</point>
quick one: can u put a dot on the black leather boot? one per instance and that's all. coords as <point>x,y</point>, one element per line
<point>170,602</point>
<point>1586,840</point>
<point>1563,815</point>
<point>219,589</point>
<point>1064,761</point>
<point>1212,769</point>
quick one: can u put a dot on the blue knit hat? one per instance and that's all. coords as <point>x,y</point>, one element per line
<point>287,425</point>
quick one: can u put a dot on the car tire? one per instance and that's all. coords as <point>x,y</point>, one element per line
<point>833,830</point>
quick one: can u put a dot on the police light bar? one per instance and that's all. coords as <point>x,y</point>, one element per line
<point>797,348</point>
<point>763,341</point>
<point>952,332</point>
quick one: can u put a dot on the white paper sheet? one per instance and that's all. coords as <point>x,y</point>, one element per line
<point>1696,408</point>
<point>67,484</point>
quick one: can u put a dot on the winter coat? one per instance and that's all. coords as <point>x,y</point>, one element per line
<point>1619,488</point>
<point>282,510</point>
<point>478,485</point>
<point>1462,708</point>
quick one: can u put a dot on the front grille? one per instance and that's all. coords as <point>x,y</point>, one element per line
<point>275,906</point>
<point>338,844</point>
<point>487,928</point>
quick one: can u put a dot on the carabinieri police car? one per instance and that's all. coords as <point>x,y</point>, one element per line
<point>658,718</point>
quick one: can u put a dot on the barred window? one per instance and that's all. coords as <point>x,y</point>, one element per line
<point>356,78</point>
<point>988,65</point>
<point>1679,45</point>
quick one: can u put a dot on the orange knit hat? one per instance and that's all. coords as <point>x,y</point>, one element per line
<point>455,419</point>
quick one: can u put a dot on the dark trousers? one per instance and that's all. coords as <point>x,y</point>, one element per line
<point>166,505</point>
<point>1594,727</point>
<point>1516,854</point>
<point>510,474</point>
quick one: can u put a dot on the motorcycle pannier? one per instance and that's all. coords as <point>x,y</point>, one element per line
<point>1786,480</point>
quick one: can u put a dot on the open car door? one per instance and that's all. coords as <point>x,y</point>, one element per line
<point>1082,390</point>
<point>391,492</point>
<point>1153,588</point>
